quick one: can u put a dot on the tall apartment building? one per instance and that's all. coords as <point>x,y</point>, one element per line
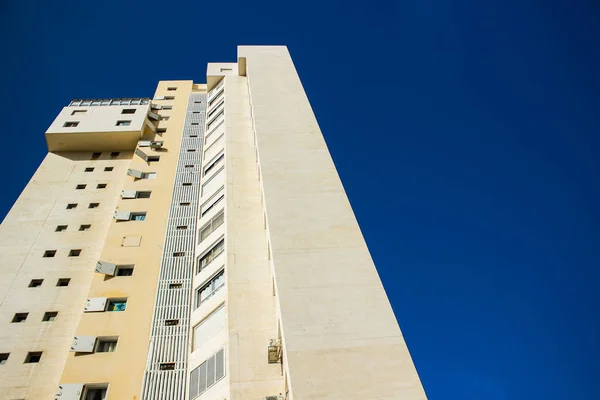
<point>198,244</point>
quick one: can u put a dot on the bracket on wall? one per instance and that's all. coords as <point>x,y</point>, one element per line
<point>274,351</point>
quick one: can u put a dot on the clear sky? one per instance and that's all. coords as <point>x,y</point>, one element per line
<point>466,133</point>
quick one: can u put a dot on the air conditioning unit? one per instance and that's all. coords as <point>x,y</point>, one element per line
<point>156,145</point>
<point>278,397</point>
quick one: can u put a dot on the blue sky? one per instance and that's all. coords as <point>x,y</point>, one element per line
<point>466,134</point>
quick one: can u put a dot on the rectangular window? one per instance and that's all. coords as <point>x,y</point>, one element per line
<point>207,374</point>
<point>70,124</point>
<point>124,270</point>
<point>143,195</point>
<point>89,169</point>
<point>148,175</point>
<point>182,227</point>
<point>175,286</point>
<point>211,255</point>
<point>123,123</point>
<point>167,366</point>
<point>115,154</point>
<point>62,282</point>
<point>71,206</point>
<point>36,283</point>
<point>169,97</point>
<point>191,150</point>
<point>161,130</point>
<point>216,163</point>
<point>179,254</point>
<point>210,288</point>
<point>101,186</point>
<point>96,156</point>
<point>106,345</point>
<point>153,158</point>
<point>215,109</point>
<point>209,327</point>
<point>186,184</point>
<point>4,358</point>
<point>108,169</point>
<point>20,317</point>
<point>117,305</point>
<point>49,253</point>
<point>185,204</point>
<point>49,316</point>
<point>165,118</point>
<point>215,118</point>
<point>75,253</point>
<point>128,111</point>
<point>137,216</point>
<point>78,112</point>
<point>212,202</point>
<point>215,97</point>
<point>170,89</point>
<point>171,322</point>
<point>84,227</point>
<point>80,187</point>
<point>33,357</point>
<point>211,226</point>
<point>93,205</point>
<point>61,228</point>
<point>94,393</point>
<point>167,107</point>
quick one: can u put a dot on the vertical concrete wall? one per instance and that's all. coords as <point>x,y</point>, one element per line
<point>26,233</point>
<point>341,338</point>
<point>251,304</point>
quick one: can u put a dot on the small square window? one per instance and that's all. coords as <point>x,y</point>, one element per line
<point>182,227</point>
<point>115,154</point>
<point>70,124</point>
<point>49,316</point>
<point>20,317</point>
<point>96,156</point>
<point>78,112</point>
<point>108,169</point>
<point>179,254</point>
<point>61,228</point>
<point>143,195</point>
<point>94,393</point>
<point>84,227</point>
<point>80,187</point>
<point>128,111</point>
<point>89,169</point>
<point>153,158</point>
<point>36,283</point>
<point>117,305</point>
<point>33,357</point>
<point>106,345</point>
<point>75,253</point>
<point>125,270</point>
<point>71,206</point>
<point>170,89</point>
<point>93,205</point>
<point>171,322</point>
<point>184,204</point>
<point>101,186</point>
<point>4,358</point>
<point>161,130</point>
<point>62,282</point>
<point>123,123</point>
<point>49,253</point>
<point>167,366</point>
<point>169,97</point>
<point>175,286</point>
<point>138,216</point>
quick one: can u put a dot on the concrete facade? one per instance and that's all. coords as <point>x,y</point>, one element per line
<point>286,302</point>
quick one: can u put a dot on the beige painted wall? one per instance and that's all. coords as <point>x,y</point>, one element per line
<point>124,369</point>
<point>26,232</point>
<point>341,338</point>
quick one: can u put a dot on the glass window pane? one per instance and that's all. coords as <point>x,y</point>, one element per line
<point>202,378</point>
<point>220,364</point>
<point>194,383</point>
<point>210,371</point>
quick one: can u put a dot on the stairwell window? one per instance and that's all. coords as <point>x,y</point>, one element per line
<point>210,288</point>
<point>211,255</point>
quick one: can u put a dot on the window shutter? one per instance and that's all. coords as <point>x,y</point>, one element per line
<point>194,383</point>
<point>134,173</point>
<point>83,344</point>
<point>105,268</point>
<point>128,194</point>
<point>142,155</point>
<point>95,304</point>
<point>122,215</point>
<point>69,391</point>
<point>153,116</point>
<point>220,364</point>
<point>144,143</point>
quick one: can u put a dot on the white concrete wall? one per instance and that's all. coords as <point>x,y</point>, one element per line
<point>341,338</point>
<point>99,119</point>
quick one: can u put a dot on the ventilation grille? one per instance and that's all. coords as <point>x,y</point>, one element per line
<point>168,343</point>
